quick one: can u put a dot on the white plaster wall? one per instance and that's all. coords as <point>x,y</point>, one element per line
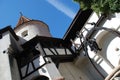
<point>4,42</point>
<point>109,42</point>
<point>42,71</point>
<point>113,55</point>
<point>15,44</point>
<point>5,72</point>
<point>71,72</point>
<point>48,70</point>
<point>8,66</point>
<point>82,62</point>
<point>14,68</point>
<point>114,22</point>
<point>53,72</point>
<point>93,18</point>
<point>108,55</point>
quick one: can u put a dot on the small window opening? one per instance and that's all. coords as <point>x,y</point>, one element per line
<point>25,33</point>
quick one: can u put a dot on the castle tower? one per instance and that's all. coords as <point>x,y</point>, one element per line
<point>31,61</point>
<point>27,52</point>
<point>26,29</point>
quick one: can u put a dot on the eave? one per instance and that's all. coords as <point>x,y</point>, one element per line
<point>77,24</point>
<point>8,28</point>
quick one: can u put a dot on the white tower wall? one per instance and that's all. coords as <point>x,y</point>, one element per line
<point>31,29</point>
<point>27,31</point>
<point>8,66</point>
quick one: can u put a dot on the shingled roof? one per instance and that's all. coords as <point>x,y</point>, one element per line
<point>22,20</point>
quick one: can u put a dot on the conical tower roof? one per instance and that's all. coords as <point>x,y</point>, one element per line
<point>22,20</point>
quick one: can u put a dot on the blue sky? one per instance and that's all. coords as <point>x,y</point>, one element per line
<point>57,14</point>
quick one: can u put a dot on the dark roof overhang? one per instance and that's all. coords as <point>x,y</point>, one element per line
<point>77,24</point>
<point>8,28</point>
<point>43,39</point>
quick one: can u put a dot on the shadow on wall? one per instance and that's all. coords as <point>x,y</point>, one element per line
<point>41,77</point>
<point>22,41</point>
<point>32,64</point>
<point>103,40</point>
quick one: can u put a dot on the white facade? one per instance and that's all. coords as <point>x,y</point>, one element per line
<point>9,70</point>
<point>31,29</point>
<point>8,67</point>
<point>81,68</point>
<point>107,59</point>
<point>26,32</point>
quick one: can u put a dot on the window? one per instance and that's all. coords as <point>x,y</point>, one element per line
<point>25,33</point>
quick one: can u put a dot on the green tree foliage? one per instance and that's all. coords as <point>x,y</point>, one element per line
<point>100,6</point>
